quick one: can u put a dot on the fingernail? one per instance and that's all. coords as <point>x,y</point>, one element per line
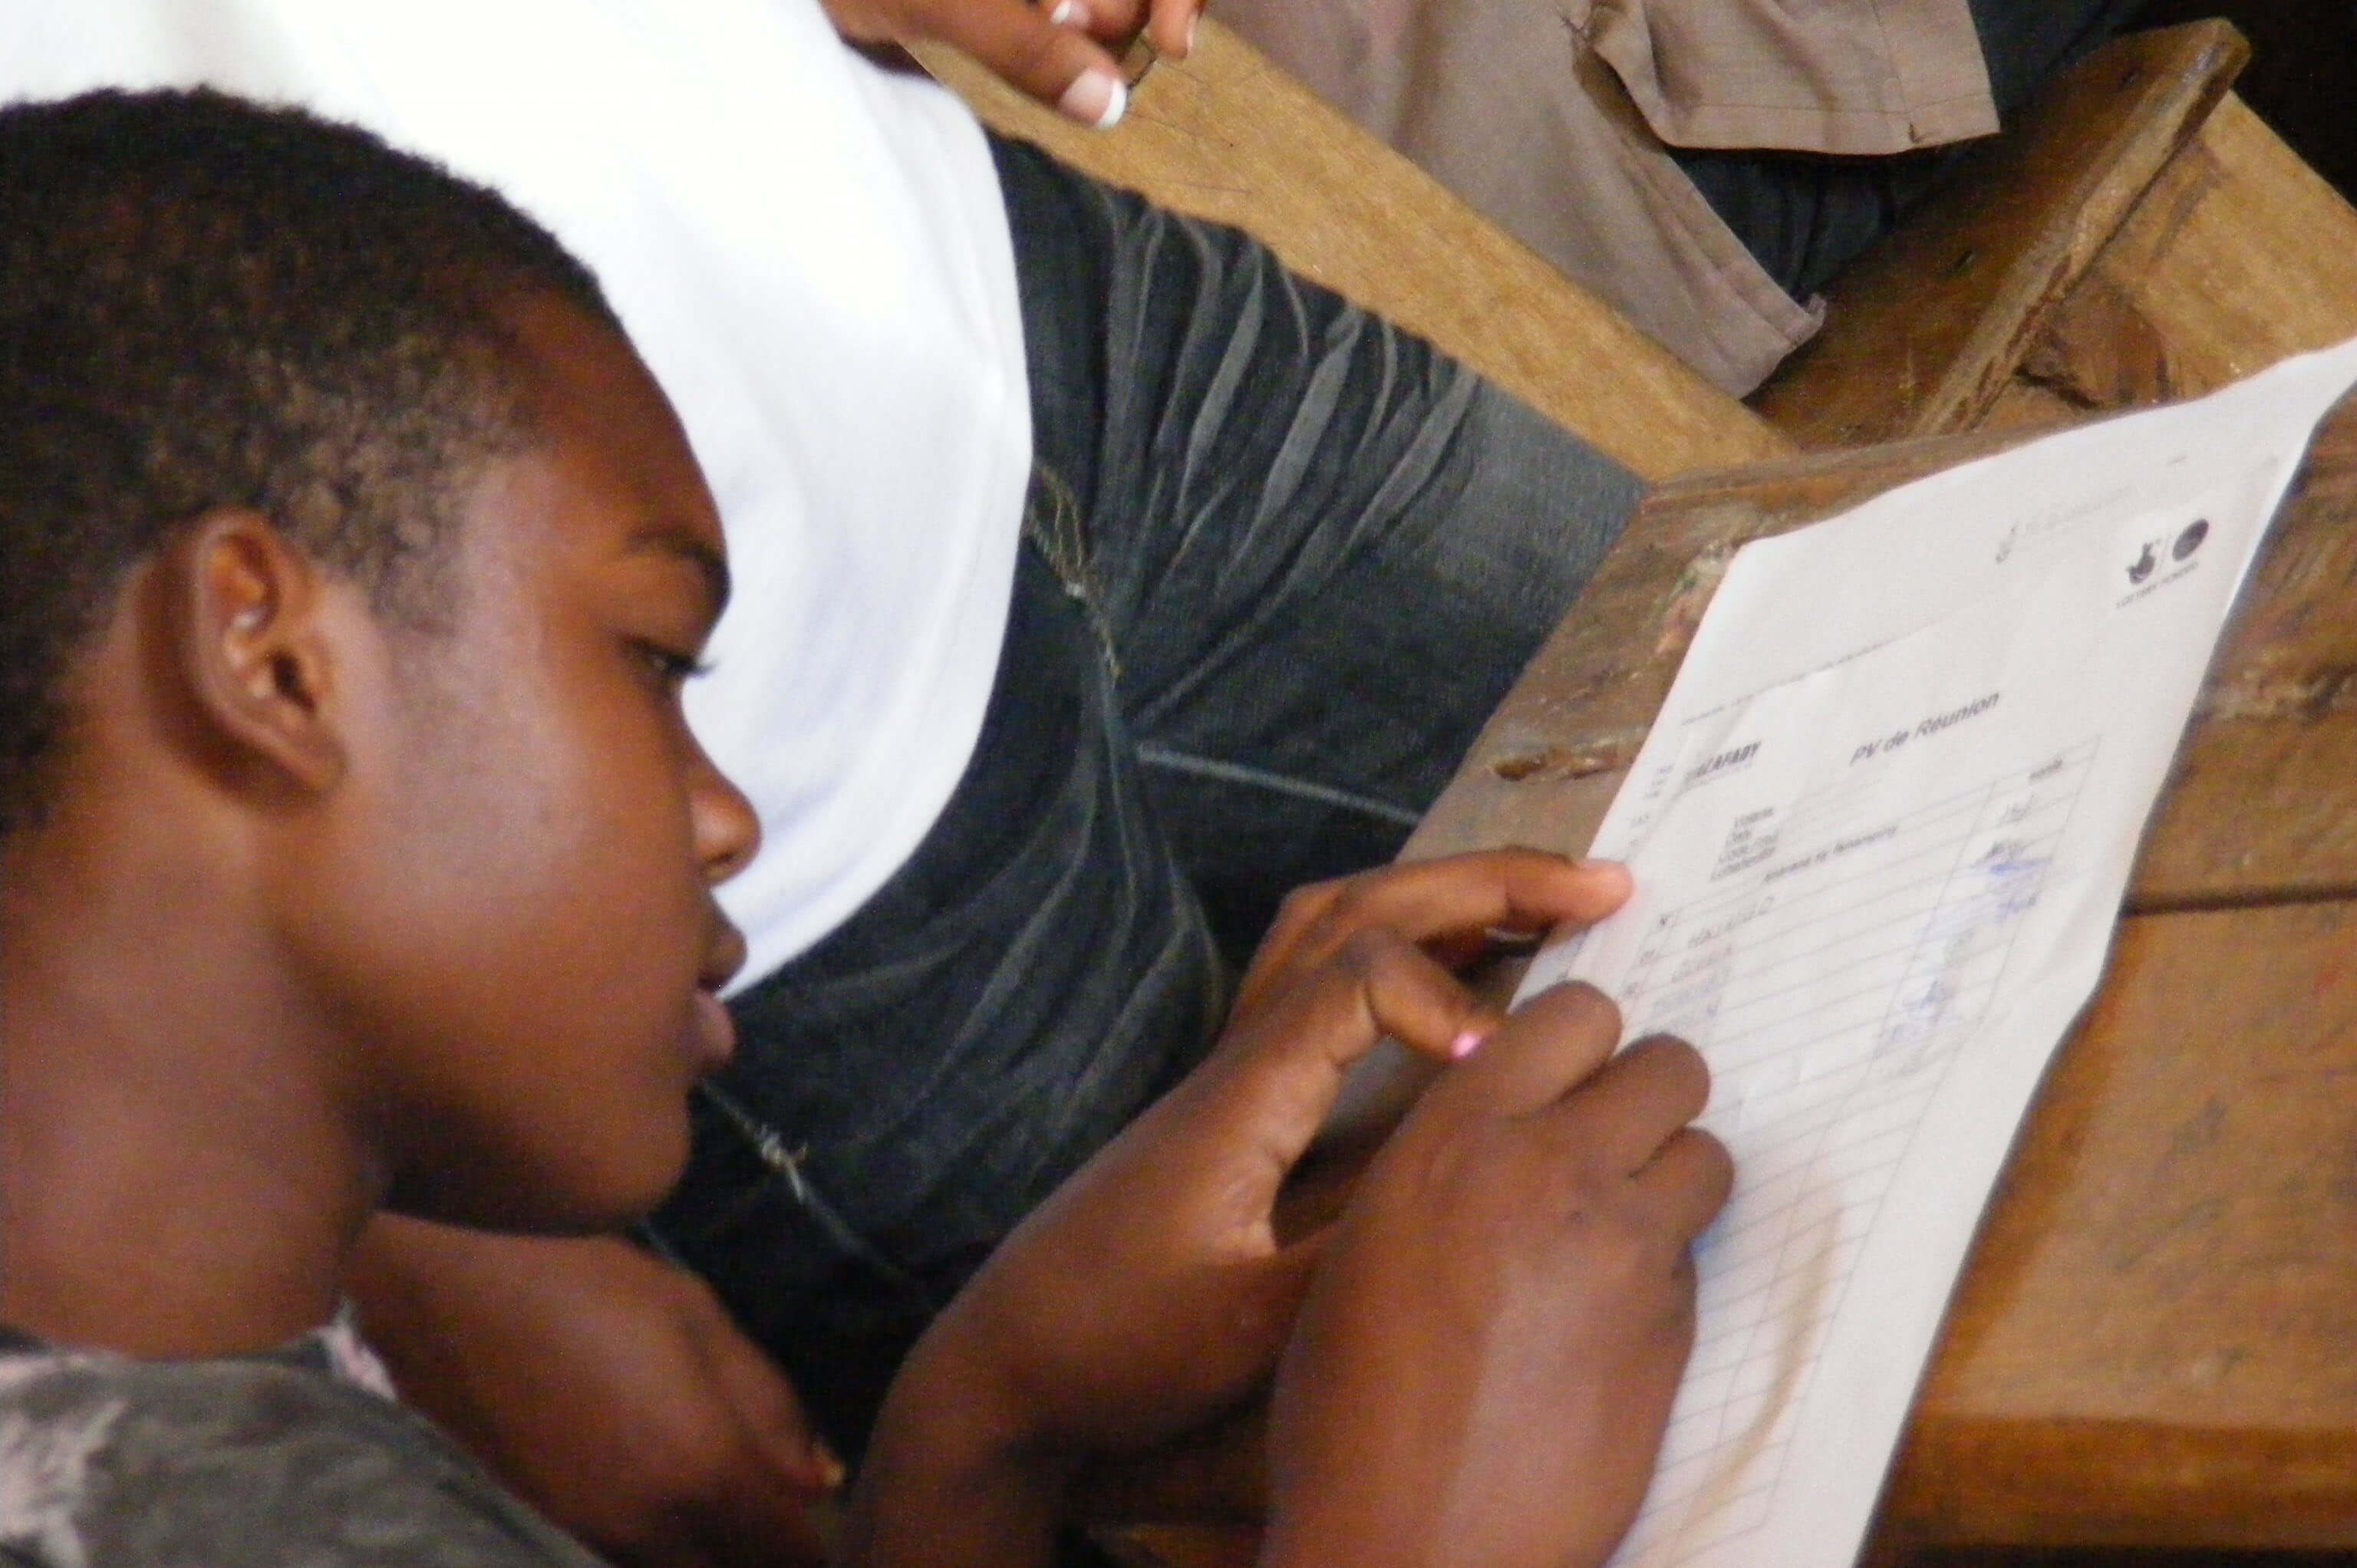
<point>1068,12</point>
<point>823,1468</point>
<point>1096,98</point>
<point>1464,1044</point>
<point>1188,46</point>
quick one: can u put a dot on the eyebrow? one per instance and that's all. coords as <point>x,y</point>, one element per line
<point>672,539</point>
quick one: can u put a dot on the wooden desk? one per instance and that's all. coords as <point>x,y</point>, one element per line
<point>2155,1339</point>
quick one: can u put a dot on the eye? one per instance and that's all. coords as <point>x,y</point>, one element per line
<point>669,665</point>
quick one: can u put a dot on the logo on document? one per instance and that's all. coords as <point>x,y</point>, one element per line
<point>2175,551</point>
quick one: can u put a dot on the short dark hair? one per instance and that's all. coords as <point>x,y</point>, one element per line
<point>206,303</point>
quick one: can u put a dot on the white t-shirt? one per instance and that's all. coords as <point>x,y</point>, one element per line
<point>810,253</point>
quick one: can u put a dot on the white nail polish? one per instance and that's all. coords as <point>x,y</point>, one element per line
<point>1068,13</point>
<point>1096,98</point>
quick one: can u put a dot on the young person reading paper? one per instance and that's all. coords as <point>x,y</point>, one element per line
<point>354,854</point>
<point>1099,583</point>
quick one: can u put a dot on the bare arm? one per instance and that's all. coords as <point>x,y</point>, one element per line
<point>605,1386</point>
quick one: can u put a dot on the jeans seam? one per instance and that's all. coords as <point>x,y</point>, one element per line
<point>1152,755</point>
<point>1062,538</point>
<point>769,1147</point>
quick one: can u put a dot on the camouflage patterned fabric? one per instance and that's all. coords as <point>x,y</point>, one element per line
<point>293,1457</point>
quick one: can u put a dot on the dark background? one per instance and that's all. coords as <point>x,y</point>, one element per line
<point>2302,79</point>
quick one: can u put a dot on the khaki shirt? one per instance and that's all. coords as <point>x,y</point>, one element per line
<point>1551,116</point>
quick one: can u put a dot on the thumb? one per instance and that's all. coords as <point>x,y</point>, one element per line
<point>1058,65</point>
<point>1171,25</point>
<point>1269,1297</point>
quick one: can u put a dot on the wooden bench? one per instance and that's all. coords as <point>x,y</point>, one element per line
<point>2137,237</point>
<point>2236,257</point>
<point>1225,136</point>
<point>1926,329</point>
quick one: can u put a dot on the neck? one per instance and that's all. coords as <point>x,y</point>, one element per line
<point>177,1174</point>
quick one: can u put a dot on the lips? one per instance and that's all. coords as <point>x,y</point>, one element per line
<point>715,1032</point>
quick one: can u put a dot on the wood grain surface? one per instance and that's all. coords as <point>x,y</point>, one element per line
<point>2236,256</point>
<point>1926,329</point>
<point>2155,1340</point>
<point>2260,806</point>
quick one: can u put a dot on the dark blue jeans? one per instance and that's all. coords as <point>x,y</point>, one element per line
<point>1280,562</point>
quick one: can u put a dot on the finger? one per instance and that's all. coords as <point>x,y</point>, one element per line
<point>1516,889</point>
<point>1636,1102</point>
<point>772,1417</point>
<point>1465,894</point>
<point>1271,1088</point>
<point>1110,22</point>
<point>1171,27</point>
<point>1688,1180</point>
<point>1060,66</point>
<point>1554,1043</point>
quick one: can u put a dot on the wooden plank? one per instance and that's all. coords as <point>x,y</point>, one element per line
<point>1226,135</point>
<point>1924,330</point>
<point>1547,764</point>
<point>2238,256</point>
<point>2028,406</point>
<point>2255,808</point>
<point>2152,1340</point>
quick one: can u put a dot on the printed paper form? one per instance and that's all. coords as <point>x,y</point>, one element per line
<point>1881,831</point>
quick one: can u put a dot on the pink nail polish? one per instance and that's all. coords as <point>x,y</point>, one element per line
<point>1463,1046</point>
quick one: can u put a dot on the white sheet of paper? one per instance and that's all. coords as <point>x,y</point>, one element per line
<point>1880,833</point>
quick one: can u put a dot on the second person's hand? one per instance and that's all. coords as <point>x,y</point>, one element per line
<point>1058,52</point>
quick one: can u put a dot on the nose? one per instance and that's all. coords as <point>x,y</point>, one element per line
<point>727,832</point>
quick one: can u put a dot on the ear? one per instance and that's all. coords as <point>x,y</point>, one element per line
<point>256,645</point>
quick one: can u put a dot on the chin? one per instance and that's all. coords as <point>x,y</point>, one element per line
<point>602,1183</point>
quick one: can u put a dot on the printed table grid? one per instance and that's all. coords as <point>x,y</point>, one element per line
<point>1830,987</point>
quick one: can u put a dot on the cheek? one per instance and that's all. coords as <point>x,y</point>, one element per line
<point>543,953</point>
